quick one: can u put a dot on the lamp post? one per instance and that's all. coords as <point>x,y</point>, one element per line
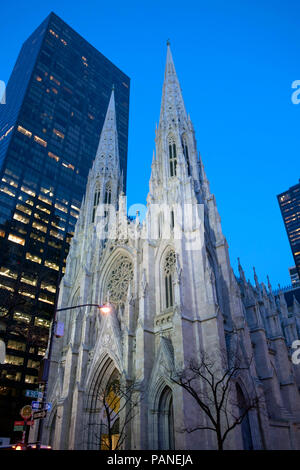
<point>105,308</point>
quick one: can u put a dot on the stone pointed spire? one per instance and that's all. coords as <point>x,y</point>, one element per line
<point>172,104</point>
<point>241,272</point>
<point>108,149</point>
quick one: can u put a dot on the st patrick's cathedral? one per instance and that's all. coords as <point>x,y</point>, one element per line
<point>172,299</point>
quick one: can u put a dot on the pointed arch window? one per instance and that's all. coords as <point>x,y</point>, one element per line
<point>96,202</point>
<point>172,157</point>
<point>245,425</point>
<point>166,420</point>
<point>186,154</point>
<point>107,197</point>
<point>169,268</point>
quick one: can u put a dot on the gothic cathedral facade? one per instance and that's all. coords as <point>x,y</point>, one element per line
<point>172,296</point>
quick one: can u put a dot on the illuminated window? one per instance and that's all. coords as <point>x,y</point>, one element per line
<point>12,375</point>
<point>39,79</point>
<point>61,208</point>
<point>8,273</point>
<point>41,351</point>
<point>15,239</point>
<point>31,379</point>
<point>42,322</point>
<point>22,208</point>
<point>53,33</point>
<point>64,42</point>
<point>56,235</point>
<point>58,133</point>
<point>33,258</point>
<point>44,199</point>
<point>23,317</point>
<point>40,141</point>
<point>16,345</point>
<point>27,279</point>
<point>15,360</point>
<point>24,131</point>
<point>7,191</point>
<point>43,209</point>
<point>27,201</point>
<point>49,287</point>
<point>51,265</point>
<point>20,218</point>
<point>52,155</point>
<point>38,237</point>
<point>26,294</point>
<point>33,364</point>
<point>28,191</point>
<point>10,182</point>
<point>39,227</point>
<point>6,133</point>
<point>3,286</point>
<point>55,80</point>
<point>37,216</point>
<point>46,299</point>
<point>56,226</point>
<point>2,233</point>
<point>68,165</point>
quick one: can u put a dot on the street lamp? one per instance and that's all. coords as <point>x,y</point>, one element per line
<point>105,308</point>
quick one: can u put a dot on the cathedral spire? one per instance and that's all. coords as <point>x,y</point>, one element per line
<point>172,104</point>
<point>108,150</point>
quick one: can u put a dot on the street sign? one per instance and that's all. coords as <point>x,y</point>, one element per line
<point>18,428</point>
<point>38,405</point>
<point>26,411</point>
<point>33,394</point>
<point>39,414</point>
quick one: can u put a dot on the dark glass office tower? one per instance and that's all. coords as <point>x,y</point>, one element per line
<point>289,203</point>
<point>56,101</point>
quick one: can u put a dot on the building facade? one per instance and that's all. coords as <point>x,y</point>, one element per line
<point>289,202</point>
<point>56,101</point>
<point>173,298</point>
<point>294,276</point>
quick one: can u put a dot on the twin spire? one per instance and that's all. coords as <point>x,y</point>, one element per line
<point>108,149</point>
<point>172,104</point>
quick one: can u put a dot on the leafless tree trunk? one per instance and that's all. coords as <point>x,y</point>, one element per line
<point>211,386</point>
<point>118,405</point>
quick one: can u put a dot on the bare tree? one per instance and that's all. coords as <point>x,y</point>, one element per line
<point>118,406</point>
<point>213,388</point>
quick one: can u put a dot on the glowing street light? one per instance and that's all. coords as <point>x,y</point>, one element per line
<point>105,308</point>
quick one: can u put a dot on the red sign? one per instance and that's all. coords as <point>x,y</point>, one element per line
<point>19,423</point>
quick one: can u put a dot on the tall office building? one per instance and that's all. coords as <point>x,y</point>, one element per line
<point>289,202</point>
<point>56,101</point>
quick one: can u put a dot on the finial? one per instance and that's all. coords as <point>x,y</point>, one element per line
<point>168,42</point>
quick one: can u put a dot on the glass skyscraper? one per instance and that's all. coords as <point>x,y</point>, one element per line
<point>289,202</point>
<point>56,100</point>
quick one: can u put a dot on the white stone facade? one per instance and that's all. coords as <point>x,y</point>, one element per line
<point>174,295</point>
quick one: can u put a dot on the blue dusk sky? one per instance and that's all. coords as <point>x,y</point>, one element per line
<point>236,61</point>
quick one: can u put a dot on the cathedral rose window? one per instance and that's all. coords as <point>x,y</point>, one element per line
<point>119,278</point>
